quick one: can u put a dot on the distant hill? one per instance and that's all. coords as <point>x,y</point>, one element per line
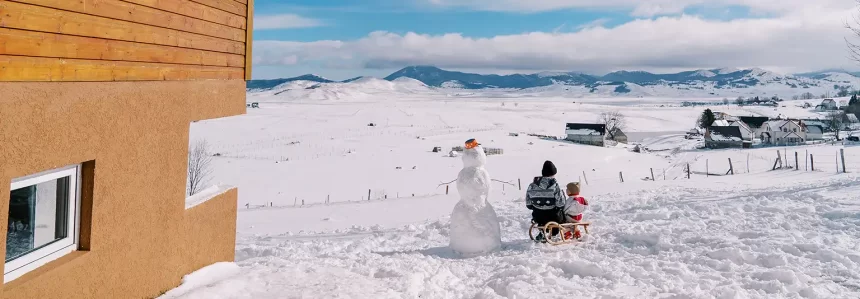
<point>268,84</point>
<point>705,81</point>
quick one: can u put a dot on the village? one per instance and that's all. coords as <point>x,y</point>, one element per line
<point>836,122</point>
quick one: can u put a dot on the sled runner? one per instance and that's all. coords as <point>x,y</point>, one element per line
<point>557,239</point>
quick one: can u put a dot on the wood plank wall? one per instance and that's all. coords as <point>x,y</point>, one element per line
<point>125,40</point>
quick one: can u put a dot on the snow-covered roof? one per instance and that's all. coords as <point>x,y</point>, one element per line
<point>718,137</point>
<point>583,132</point>
<point>726,133</point>
<point>815,129</point>
<point>777,125</point>
<point>585,129</point>
<point>720,123</point>
<point>851,118</point>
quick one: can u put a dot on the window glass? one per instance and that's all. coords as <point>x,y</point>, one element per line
<point>38,216</point>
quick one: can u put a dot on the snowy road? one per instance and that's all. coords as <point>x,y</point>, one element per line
<point>726,240</point>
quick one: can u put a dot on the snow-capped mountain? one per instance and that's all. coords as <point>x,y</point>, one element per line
<point>269,84</point>
<point>703,82</point>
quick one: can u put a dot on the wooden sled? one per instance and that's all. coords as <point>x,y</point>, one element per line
<point>559,238</point>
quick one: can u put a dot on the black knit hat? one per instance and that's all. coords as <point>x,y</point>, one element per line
<point>548,169</point>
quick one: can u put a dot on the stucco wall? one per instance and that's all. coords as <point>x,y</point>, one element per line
<point>136,136</point>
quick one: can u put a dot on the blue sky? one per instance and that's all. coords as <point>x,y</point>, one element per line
<point>340,39</point>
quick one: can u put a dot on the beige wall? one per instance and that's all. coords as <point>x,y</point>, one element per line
<point>139,240</point>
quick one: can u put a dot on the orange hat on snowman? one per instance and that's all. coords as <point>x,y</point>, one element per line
<point>472,143</point>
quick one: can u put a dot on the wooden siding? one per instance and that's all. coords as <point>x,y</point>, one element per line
<point>39,44</point>
<point>125,40</point>
<point>226,5</point>
<point>120,10</point>
<point>250,37</point>
<point>20,68</point>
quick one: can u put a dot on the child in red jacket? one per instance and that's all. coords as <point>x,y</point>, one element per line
<point>574,207</point>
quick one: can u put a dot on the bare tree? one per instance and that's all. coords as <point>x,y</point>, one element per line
<point>199,166</point>
<point>726,101</point>
<point>739,101</point>
<point>613,120</point>
<point>853,48</point>
<point>835,118</point>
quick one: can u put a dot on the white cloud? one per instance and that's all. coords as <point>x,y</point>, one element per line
<point>810,38</point>
<point>639,8</point>
<point>596,23</point>
<point>285,21</point>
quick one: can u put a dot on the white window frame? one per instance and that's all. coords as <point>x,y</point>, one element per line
<point>37,258</point>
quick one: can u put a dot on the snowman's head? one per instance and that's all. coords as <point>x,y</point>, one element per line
<point>473,155</point>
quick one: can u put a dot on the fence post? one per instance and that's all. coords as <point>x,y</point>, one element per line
<point>621,175</point>
<point>707,171</point>
<point>585,177</point>
<point>688,171</point>
<point>796,163</point>
<point>652,174</point>
<point>777,161</point>
<point>842,153</point>
<point>519,184</point>
<point>806,161</point>
<point>368,194</point>
<point>446,189</point>
<point>731,167</point>
<point>812,162</point>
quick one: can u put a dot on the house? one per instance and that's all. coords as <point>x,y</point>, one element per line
<point>825,124</point>
<point>755,123</point>
<point>619,136</point>
<point>94,128</point>
<point>814,132</point>
<point>828,104</point>
<point>850,122</point>
<point>725,137</point>
<point>745,131</point>
<point>592,134</point>
<point>784,132</point>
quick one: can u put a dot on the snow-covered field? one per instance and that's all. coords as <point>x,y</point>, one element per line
<point>305,164</point>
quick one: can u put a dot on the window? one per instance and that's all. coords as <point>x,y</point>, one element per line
<point>795,129</point>
<point>43,219</point>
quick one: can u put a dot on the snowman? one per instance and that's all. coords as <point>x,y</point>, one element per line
<point>474,224</point>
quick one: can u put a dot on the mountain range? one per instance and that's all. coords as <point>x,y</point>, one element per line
<point>619,82</point>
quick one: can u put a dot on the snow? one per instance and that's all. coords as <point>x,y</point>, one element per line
<point>717,137</point>
<point>704,73</point>
<point>205,195</point>
<point>724,71</point>
<point>582,132</point>
<point>452,84</point>
<point>474,223</point>
<point>760,233</point>
<point>199,280</point>
<point>298,84</point>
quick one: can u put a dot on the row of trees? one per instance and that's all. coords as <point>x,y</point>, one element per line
<point>741,101</point>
